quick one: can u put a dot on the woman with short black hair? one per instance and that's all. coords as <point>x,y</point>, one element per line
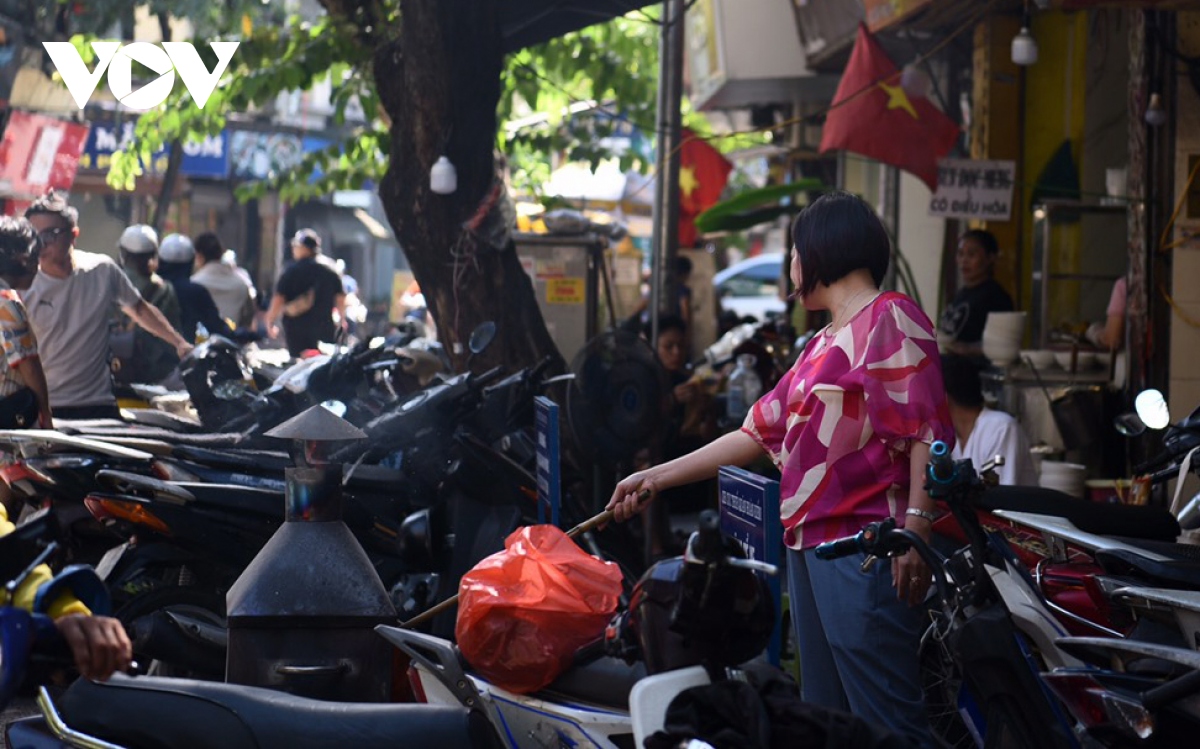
<point>849,426</point>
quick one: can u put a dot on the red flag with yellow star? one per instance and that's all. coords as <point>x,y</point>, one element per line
<point>703,172</point>
<point>880,120</point>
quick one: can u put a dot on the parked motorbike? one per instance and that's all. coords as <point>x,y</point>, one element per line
<point>1131,694</point>
<point>138,712</point>
<point>689,619</point>
<point>990,626</point>
<point>463,479</point>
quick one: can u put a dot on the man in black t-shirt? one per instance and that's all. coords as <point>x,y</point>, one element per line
<point>964,318</point>
<point>306,296</point>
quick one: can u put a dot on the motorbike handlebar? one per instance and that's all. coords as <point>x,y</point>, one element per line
<point>864,540</point>
<point>708,545</point>
<point>485,378</point>
<point>941,465</point>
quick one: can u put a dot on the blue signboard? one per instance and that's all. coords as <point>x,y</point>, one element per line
<point>208,158</point>
<point>549,470</point>
<point>750,513</point>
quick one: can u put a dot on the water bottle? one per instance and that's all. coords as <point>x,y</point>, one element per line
<point>744,388</point>
<point>201,333</point>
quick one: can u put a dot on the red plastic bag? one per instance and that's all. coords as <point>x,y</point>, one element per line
<point>525,611</point>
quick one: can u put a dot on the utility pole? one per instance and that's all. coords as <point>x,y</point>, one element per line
<point>663,288</point>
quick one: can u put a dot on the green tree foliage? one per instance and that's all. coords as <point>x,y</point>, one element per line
<point>613,65</point>
<point>568,96</point>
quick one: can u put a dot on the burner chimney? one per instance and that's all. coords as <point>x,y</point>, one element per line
<point>302,615</point>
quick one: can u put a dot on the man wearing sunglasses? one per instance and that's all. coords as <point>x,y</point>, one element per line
<point>69,304</point>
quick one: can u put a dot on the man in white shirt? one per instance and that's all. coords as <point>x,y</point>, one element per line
<point>233,294</point>
<point>981,433</point>
<point>69,306</point>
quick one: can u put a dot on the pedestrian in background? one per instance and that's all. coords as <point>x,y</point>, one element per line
<point>307,296</point>
<point>232,294</point>
<point>69,304</point>
<point>152,359</point>
<point>850,428</point>
<point>24,395</point>
<point>177,258</point>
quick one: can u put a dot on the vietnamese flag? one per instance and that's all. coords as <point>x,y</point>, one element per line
<point>880,120</point>
<point>703,172</point>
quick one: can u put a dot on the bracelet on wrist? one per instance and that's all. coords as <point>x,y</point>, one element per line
<point>926,514</point>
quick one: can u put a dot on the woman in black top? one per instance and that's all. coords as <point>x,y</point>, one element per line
<point>980,293</point>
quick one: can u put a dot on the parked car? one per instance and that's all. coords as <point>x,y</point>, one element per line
<point>750,288</point>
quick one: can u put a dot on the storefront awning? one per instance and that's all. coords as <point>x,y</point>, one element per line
<point>525,23</point>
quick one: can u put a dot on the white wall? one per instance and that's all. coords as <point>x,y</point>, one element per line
<point>920,239</point>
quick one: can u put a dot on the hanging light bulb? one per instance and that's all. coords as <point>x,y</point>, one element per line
<point>1024,48</point>
<point>443,178</point>
<point>915,81</point>
<point>1042,4</point>
<point>1155,115</point>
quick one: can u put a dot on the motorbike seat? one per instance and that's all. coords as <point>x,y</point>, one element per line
<point>236,497</point>
<point>255,460</point>
<point>110,428</point>
<point>152,712</point>
<point>1131,521</point>
<point>1178,571</point>
<point>605,682</point>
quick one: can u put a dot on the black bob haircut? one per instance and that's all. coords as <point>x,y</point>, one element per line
<point>837,234</point>
<point>985,238</point>
<point>960,375</point>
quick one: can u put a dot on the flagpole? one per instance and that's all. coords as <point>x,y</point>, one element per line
<point>665,236</point>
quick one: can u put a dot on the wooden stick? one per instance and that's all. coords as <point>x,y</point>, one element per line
<point>590,524</point>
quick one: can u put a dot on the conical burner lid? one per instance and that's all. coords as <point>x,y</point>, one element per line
<point>317,424</point>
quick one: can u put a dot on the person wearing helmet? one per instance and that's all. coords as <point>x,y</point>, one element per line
<point>24,397</point>
<point>69,303</point>
<point>306,297</point>
<point>177,256</point>
<point>152,359</point>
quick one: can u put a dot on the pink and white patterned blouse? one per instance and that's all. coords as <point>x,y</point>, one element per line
<point>838,424</point>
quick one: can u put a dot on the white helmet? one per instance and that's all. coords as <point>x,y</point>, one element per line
<point>177,248</point>
<point>139,239</point>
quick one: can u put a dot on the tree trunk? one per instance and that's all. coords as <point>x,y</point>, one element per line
<point>440,84</point>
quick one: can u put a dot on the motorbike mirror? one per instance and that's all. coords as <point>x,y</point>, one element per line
<point>229,390</point>
<point>337,408</point>
<point>482,337</point>
<point>1129,424</point>
<point>1152,409</point>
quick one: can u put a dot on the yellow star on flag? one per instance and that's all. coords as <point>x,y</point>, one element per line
<point>897,99</point>
<point>687,180</point>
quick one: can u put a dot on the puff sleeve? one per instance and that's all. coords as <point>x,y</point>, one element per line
<point>902,381</point>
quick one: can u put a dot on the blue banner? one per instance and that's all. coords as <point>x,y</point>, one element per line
<point>549,469</point>
<point>749,507</point>
<point>208,158</point>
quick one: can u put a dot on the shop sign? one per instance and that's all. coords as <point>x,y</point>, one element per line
<point>207,158</point>
<point>749,507</point>
<point>969,189</point>
<point>565,290</point>
<point>39,153</point>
